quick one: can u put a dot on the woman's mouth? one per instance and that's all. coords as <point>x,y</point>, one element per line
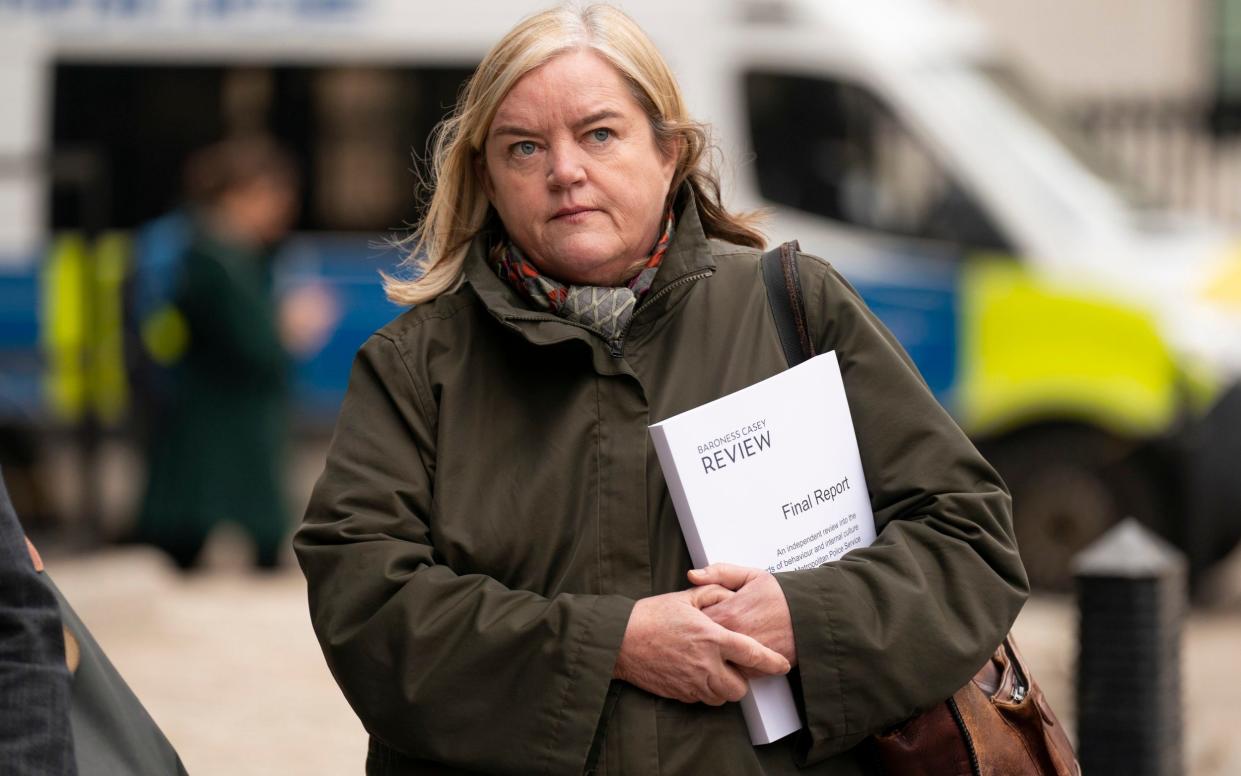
<point>572,214</point>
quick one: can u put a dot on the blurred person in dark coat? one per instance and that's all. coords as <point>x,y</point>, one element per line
<point>217,451</point>
<point>35,736</point>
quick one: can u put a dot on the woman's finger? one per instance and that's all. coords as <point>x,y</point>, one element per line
<point>727,574</point>
<point>735,684</point>
<point>747,653</point>
<point>709,595</point>
<point>725,685</point>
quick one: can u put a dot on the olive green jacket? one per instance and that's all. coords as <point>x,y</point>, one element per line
<point>492,507</point>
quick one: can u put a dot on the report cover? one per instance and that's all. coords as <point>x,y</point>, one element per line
<point>769,477</point>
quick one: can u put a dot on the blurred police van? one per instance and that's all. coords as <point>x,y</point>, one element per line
<point>1089,340</point>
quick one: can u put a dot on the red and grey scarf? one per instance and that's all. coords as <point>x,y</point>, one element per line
<point>607,309</point>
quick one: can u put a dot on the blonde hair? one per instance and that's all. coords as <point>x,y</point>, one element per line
<point>458,208</point>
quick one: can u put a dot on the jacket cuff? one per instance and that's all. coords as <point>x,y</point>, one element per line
<point>820,665</point>
<point>583,694</point>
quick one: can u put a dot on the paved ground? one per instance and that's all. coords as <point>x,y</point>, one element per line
<point>226,661</point>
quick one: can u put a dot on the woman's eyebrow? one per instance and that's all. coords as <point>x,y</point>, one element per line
<point>599,115</point>
<point>512,129</point>
<point>520,131</point>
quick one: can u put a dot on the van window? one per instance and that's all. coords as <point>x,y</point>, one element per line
<point>121,133</point>
<point>833,149</point>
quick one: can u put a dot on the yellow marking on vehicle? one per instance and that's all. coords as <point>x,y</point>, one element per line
<point>62,326</point>
<point>1033,351</point>
<point>82,329</point>
<point>109,383</point>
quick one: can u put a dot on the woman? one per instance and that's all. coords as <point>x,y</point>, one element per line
<point>496,572</point>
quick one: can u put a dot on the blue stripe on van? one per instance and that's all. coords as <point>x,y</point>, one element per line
<point>923,316</point>
<point>21,366</point>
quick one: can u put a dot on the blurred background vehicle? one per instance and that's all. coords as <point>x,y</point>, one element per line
<point>1088,337</point>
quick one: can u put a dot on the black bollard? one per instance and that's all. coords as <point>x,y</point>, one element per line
<point>1131,594</point>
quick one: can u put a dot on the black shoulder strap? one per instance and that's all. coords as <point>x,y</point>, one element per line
<point>784,295</point>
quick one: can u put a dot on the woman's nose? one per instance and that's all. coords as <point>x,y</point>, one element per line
<point>566,166</point>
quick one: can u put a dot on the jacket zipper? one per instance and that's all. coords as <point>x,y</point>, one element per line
<point>616,348</point>
<point>1020,685</point>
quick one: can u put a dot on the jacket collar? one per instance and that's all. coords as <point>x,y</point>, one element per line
<point>689,255</point>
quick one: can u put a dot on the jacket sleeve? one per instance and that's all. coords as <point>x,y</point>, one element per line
<point>894,628</point>
<point>454,668</point>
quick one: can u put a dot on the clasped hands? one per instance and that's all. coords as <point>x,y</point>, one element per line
<point>701,644</point>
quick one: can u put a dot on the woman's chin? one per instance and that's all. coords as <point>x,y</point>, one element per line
<point>588,264</point>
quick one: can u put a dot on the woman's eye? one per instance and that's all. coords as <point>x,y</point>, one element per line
<point>600,135</point>
<point>524,148</point>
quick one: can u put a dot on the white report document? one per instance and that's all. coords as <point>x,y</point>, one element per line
<point>769,477</point>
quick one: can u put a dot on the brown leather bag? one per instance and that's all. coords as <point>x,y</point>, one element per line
<point>998,724</point>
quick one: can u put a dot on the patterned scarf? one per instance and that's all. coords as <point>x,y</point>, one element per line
<point>604,308</point>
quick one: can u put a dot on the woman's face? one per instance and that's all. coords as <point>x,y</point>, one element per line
<point>570,164</point>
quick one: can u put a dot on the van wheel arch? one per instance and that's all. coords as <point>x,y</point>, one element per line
<point>1070,483</point>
